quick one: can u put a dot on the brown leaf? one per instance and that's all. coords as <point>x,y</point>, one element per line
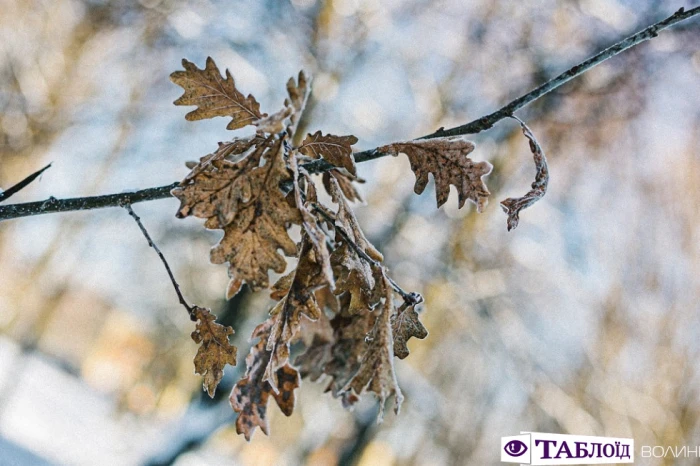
<point>237,189</point>
<point>347,348</point>
<point>404,325</point>
<point>316,337</point>
<point>250,395</point>
<point>216,186</point>
<point>305,202</point>
<point>300,301</point>
<point>312,362</point>
<point>353,274</point>
<point>215,350</point>
<point>513,205</point>
<point>345,182</point>
<point>337,150</point>
<point>214,96</point>
<point>446,158</point>
<point>376,373</point>
<point>251,241</point>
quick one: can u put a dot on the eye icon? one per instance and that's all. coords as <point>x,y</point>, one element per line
<point>515,448</point>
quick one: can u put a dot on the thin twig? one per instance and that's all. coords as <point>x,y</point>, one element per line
<point>114,200</point>
<point>411,298</point>
<point>152,244</point>
<point>4,195</point>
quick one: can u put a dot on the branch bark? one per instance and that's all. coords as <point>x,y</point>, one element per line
<point>52,204</point>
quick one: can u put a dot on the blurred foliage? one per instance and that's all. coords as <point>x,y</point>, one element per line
<point>584,320</point>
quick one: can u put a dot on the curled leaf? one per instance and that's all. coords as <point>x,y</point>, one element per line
<point>250,395</point>
<point>215,350</point>
<point>513,205</point>
<point>337,150</point>
<point>406,324</point>
<point>376,373</point>
<point>347,349</point>
<point>299,302</point>
<point>353,272</point>
<point>446,158</point>
<point>309,222</point>
<point>214,96</point>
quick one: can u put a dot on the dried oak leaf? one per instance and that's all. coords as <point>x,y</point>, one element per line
<point>215,350</point>
<point>347,349</point>
<point>305,202</point>
<point>353,273</point>
<point>337,150</point>
<point>404,325</point>
<point>252,239</point>
<point>299,302</point>
<point>250,395</point>
<point>376,373</point>
<point>214,96</point>
<point>345,182</point>
<point>313,360</point>
<point>513,205</point>
<point>446,158</point>
<point>216,186</point>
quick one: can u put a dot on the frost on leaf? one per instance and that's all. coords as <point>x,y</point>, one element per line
<point>217,186</point>
<point>299,302</point>
<point>237,189</point>
<point>289,116</point>
<point>346,351</point>
<point>214,96</point>
<point>337,150</point>
<point>214,351</point>
<point>353,272</point>
<point>406,324</point>
<point>376,373</point>
<point>305,202</point>
<point>250,395</point>
<point>446,158</point>
<point>251,241</point>
<point>513,205</point>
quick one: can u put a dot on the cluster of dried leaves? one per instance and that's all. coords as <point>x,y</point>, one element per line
<point>337,304</point>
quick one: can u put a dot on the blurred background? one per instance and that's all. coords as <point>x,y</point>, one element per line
<point>584,320</point>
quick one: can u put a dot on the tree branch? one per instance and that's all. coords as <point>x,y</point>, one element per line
<point>486,122</point>
<point>4,195</point>
<point>52,204</point>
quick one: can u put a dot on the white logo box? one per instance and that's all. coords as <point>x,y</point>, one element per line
<point>561,449</point>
